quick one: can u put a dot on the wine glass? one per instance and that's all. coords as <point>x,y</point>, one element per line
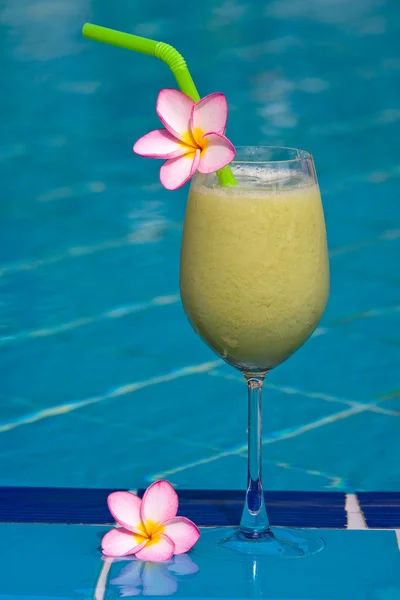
<point>254,282</point>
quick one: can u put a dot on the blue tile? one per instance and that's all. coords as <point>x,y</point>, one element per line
<point>209,411</point>
<point>343,366</point>
<point>230,472</point>
<point>392,401</point>
<point>353,293</point>
<point>381,509</point>
<point>345,233</point>
<point>335,447</point>
<point>312,578</point>
<point>379,518</point>
<point>205,507</point>
<point>108,455</point>
<point>374,260</point>
<point>64,562</point>
<point>54,505</point>
<point>379,498</point>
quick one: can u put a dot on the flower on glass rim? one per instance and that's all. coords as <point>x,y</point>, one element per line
<point>149,528</point>
<point>193,138</point>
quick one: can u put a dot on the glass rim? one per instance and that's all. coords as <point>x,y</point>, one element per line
<point>302,155</point>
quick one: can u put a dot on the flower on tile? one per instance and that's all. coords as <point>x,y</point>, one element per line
<point>154,579</point>
<point>148,527</point>
<point>193,138</point>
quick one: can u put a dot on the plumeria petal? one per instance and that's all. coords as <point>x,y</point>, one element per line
<point>159,143</point>
<point>121,542</point>
<point>209,115</point>
<point>175,172</point>
<point>217,152</point>
<point>183,565</point>
<point>125,508</point>
<point>159,503</point>
<point>157,581</point>
<point>158,549</point>
<point>174,109</point>
<point>183,532</point>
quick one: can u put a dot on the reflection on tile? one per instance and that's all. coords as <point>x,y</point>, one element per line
<point>137,578</point>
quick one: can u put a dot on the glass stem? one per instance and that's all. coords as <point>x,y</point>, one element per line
<point>254,522</point>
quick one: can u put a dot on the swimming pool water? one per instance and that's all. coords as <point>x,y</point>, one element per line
<point>103,382</point>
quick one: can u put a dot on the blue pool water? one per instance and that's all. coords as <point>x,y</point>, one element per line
<point>103,382</point>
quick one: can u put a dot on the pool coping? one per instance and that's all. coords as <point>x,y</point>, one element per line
<point>208,508</point>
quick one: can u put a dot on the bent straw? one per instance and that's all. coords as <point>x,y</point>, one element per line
<point>164,52</point>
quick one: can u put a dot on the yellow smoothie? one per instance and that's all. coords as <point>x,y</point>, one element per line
<point>254,266</point>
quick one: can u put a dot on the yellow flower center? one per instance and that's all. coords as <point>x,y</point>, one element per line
<point>148,531</point>
<point>193,139</point>
<point>152,528</point>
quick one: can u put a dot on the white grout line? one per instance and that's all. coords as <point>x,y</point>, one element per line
<point>128,309</point>
<point>353,247</point>
<point>319,331</point>
<point>116,392</point>
<point>318,395</point>
<point>335,481</point>
<point>30,264</point>
<point>271,439</point>
<point>328,398</point>
<point>286,435</point>
<point>72,252</point>
<point>114,313</point>
<point>84,187</point>
<point>101,586</point>
<point>355,517</point>
<point>277,438</point>
<point>385,236</point>
<point>195,463</point>
<point>367,314</point>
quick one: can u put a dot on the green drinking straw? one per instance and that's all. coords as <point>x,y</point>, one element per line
<point>166,53</point>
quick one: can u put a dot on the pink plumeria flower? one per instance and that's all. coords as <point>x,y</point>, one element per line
<point>193,138</point>
<point>149,528</point>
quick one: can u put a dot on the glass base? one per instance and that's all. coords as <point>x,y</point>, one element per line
<point>227,543</point>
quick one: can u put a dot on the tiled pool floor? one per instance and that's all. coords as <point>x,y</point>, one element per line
<point>103,382</point>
